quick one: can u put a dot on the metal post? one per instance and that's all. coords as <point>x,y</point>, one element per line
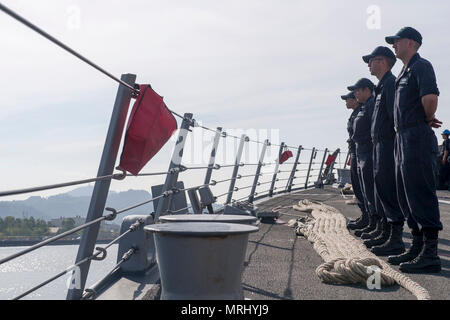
<point>172,176</point>
<point>212,158</point>
<point>195,202</point>
<point>332,166</point>
<point>101,188</point>
<point>346,159</point>
<point>294,170</point>
<point>258,170</point>
<point>244,138</point>
<point>277,165</point>
<point>313,152</point>
<point>319,178</point>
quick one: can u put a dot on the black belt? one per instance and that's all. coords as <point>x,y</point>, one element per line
<point>409,125</point>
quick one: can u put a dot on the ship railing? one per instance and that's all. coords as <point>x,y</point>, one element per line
<point>128,90</point>
<point>168,191</point>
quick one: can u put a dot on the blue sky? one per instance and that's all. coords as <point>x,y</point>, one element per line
<point>274,67</point>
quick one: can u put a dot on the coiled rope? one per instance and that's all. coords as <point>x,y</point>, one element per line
<point>347,260</point>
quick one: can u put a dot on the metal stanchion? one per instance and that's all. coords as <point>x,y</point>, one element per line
<point>172,176</point>
<point>294,169</point>
<point>277,165</point>
<point>258,170</point>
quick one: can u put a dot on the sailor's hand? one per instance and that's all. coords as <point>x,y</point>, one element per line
<point>435,123</point>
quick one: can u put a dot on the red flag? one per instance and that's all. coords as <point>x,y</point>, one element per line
<point>330,160</point>
<point>349,162</point>
<point>149,127</point>
<point>285,155</point>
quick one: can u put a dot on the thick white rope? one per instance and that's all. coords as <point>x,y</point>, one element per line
<point>347,260</point>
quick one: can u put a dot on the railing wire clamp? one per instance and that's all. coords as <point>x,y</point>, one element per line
<point>127,255</point>
<point>120,176</point>
<point>100,258</point>
<point>137,224</point>
<point>112,215</point>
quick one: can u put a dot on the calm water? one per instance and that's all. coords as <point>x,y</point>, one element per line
<point>25,272</point>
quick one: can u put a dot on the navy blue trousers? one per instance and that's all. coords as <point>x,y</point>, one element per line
<point>386,202</point>
<point>364,158</point>
<point>415,163</point>
<point>356,185</point>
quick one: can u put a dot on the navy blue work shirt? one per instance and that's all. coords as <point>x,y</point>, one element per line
<point>446,146</point>
<point>383,112</point>
<point>362,125</point>
<point>351,143</point>
<point>416,80</point>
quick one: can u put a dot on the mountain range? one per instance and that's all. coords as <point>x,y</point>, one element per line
<point>73,203</point>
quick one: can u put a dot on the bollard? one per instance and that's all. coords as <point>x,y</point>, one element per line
<point>138,239</point>
<point>224,218</point>
<point>201,260</point>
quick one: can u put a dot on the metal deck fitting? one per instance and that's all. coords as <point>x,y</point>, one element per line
<point>201,260</point>
<point>224,218</point>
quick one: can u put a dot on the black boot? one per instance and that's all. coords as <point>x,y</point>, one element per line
<point>428,260</point>
<point>413,251</point>
<point>352,223</point>
<point>376,232</point>
<point>359,224</point>
<point>369,228</point>
<point>382,238</point>
<point>394,245</point>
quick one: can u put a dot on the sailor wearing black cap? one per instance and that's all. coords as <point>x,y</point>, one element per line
<point>386,239</point>
<point>351,103</point>
<point>363,90</point>
<point>416,99</point>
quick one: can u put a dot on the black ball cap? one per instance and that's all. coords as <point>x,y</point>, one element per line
<point>406,32</point>
<point>349,95</point>
<point>362,83</point>
<point>380,51</point>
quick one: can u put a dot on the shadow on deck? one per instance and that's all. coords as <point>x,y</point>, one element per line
<point>280,265</point>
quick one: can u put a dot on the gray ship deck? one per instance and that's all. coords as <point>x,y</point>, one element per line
<point>281,266</point>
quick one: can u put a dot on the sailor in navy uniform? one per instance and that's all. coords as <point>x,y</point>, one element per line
<point>363,90</point>
<point>353,104</point>
<point>442,164</point>
<point>416,148</point>
<point>383,238</point>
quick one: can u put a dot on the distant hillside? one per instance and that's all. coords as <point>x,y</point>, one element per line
<point>73,203</point>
